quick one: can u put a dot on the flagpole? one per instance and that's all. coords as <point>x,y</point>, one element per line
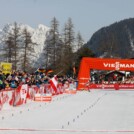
<point>59,72</point>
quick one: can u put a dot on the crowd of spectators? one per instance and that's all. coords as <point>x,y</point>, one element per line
<point>16,78</point>
<point>112,79</point>
<point>128,80</point>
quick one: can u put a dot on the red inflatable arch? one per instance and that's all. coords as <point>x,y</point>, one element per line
<point>101,64</point>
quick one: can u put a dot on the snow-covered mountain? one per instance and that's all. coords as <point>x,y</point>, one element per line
<point>38,36</point>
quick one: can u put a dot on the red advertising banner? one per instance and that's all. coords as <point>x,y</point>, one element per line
<point>111,86</point>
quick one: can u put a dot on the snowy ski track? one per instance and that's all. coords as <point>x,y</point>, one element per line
<point>95,112</point>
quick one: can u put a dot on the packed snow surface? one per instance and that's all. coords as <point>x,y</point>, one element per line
<point>95,112</point>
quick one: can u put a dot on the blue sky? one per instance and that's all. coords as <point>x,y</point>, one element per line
<point>87,15</point>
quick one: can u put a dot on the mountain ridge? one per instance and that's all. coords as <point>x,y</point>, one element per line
<point>114,41</point>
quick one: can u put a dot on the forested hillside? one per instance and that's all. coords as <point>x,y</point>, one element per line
<point>114,41</point>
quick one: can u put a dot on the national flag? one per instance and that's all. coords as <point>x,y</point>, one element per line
<point>54,83</point>
<point>49,71</point>
<point>40,70</point>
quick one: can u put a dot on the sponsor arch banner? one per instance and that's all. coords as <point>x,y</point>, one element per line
<point>101,64</point>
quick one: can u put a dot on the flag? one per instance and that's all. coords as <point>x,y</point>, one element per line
<point>49,71</point>
<point>40,70</point>
<point>54,83</point>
